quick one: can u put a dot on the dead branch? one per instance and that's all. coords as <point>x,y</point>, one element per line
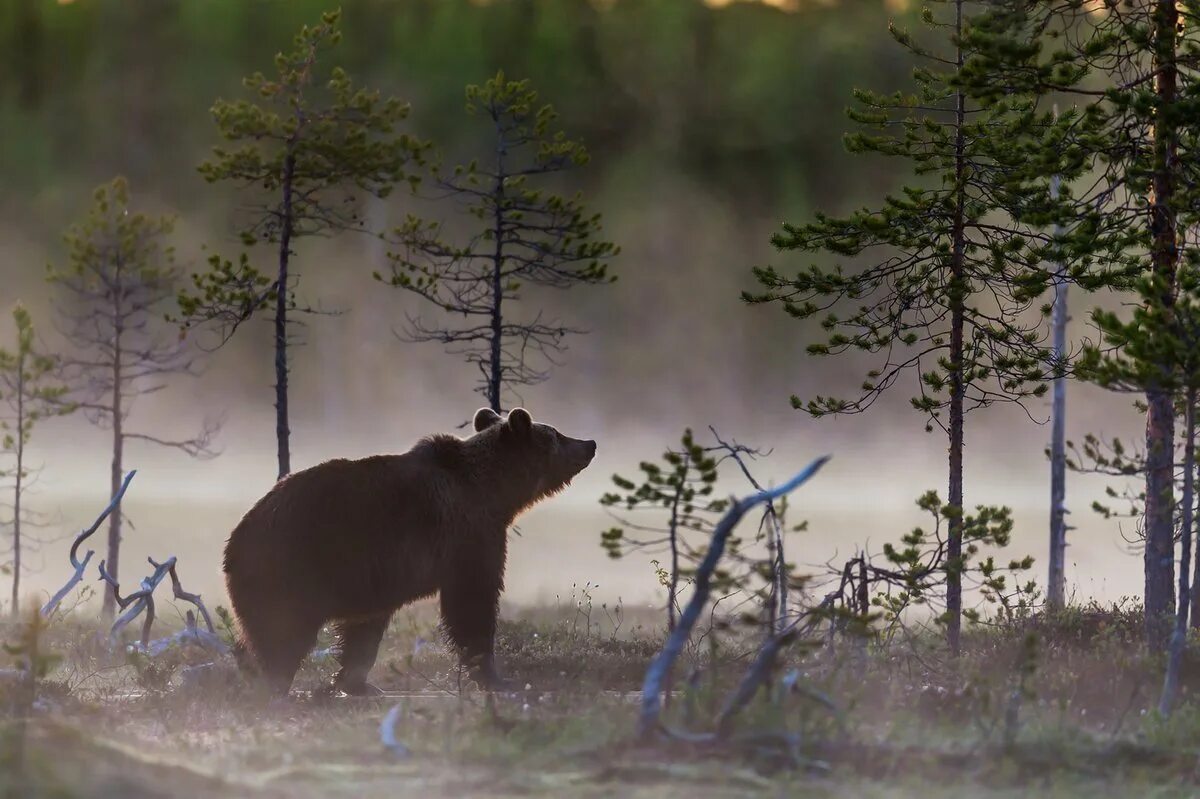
<point>143,601</point>
<point>656,675</point>
<point>136,603</point>
<point>80,566</point>
<point>779,598</point>
<point>758,673</point>
<point>387,732</point>
<point>190,634</point>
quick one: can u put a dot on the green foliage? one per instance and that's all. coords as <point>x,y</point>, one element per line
<point>303,147</point>
<point>29,383</point>
<point>677,492</point>
<point>28,652</point>
<point>118,256</point>
<point>948,246</point>
<point>523,234</point>
<point>917,568</point>
<point>1158,346</point>
<point>306,136</point>
<point>670,508</point>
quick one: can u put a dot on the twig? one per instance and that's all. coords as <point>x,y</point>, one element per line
<point>80,566</point>
<point>387,732</point>
<point>660,667</point>
<point>189,634</point>
<point>758,673</point>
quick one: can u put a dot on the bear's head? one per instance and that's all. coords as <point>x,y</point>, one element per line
<point>539,450</point>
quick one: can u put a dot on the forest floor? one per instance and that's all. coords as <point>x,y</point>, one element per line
<point>1054,708</point>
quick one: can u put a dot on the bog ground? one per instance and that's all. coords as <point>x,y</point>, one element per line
<point>889,722</point>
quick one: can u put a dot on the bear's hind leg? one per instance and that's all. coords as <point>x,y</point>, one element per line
<point>281,647</point>
<point>358,646</point>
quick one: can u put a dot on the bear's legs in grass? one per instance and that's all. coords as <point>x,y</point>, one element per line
<point>280,645</point>
<point>358,646</point>
<point>470,601</point>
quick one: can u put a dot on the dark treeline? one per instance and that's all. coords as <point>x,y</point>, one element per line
<point>744,98</point>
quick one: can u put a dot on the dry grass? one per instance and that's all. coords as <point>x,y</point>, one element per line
<point>911,722</point>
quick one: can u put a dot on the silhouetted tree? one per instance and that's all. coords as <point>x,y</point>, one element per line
<point>1159,346</point>
<point>305,147</point>
<point>942,284</point>
<point>113,294</point>
<point>1130,75</point>
<point>30,387</point>
<point>523,235</point>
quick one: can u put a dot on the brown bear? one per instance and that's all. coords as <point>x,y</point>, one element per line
<point>351,541</point>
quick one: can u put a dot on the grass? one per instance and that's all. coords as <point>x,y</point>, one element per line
<point>910,722</point>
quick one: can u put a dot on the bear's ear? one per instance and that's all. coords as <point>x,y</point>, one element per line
<point>485,418</point>
<point>520,421</point>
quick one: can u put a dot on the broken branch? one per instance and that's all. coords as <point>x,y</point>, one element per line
<point>660,667</point>
<point>81,566</point>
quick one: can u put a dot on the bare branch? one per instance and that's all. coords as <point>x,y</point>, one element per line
<point>81,566</point>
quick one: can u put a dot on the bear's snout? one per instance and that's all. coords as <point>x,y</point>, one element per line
<point>589,447</point>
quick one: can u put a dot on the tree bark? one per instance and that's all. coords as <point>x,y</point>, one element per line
<point>1056,582</point>
<point>1160,417</point>
<point>112,561</point>
<point>957,388</point>
<point>494,367</point>
<point>282,430</point>
<point>18,486</point>
<point>1195,596</point>
<point>1179,635</point>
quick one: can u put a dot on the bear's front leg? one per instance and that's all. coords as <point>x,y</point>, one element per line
<point>357,648</point>
<point>470,599</point>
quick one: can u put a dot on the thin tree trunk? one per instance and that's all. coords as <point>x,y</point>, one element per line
<point>1195,596</point>
<point>1160,416</point>
<point>1179,635</point>
<point>1056,582</point>
<point>494,367</point>
<point>282,430</point>
<point>113,560</point>
<point>18,484</point>
<point>957,323</point>
<point>673,536</point>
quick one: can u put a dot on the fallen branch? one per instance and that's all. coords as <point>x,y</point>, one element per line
<point>387,732</point>
<point>190,634</point>
<point>758,673</point>
<point>660,667</point>
<point>138,602</point>
<point>80,566</point>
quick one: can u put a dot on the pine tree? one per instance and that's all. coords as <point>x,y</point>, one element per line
<point>304,148</point>
<point>31,388</point>
<point>524,236</point>
<point>679,493</point>
<point>1159,346</point>
<point>943,283</point>
<point>114,293</point>
<point>1129,73</point>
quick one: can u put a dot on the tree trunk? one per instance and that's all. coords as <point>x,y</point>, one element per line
<point>18,486</point>
<point>494,378</point>
<point>1056,582</point>
<point>282,430</point>
<point>957,388</point>
<point>113,560</point>
<point>1160,416</point>
<point>1195,596</point>
<point>1179,635</point>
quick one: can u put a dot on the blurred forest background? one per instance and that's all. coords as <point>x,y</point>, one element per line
<point>709,125</point>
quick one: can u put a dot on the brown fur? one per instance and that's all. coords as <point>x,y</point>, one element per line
<point>352,541</point>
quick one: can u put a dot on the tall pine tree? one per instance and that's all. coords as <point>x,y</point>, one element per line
<point>942,284</point>
<point>304,148</point>
<point>1129,74</point>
